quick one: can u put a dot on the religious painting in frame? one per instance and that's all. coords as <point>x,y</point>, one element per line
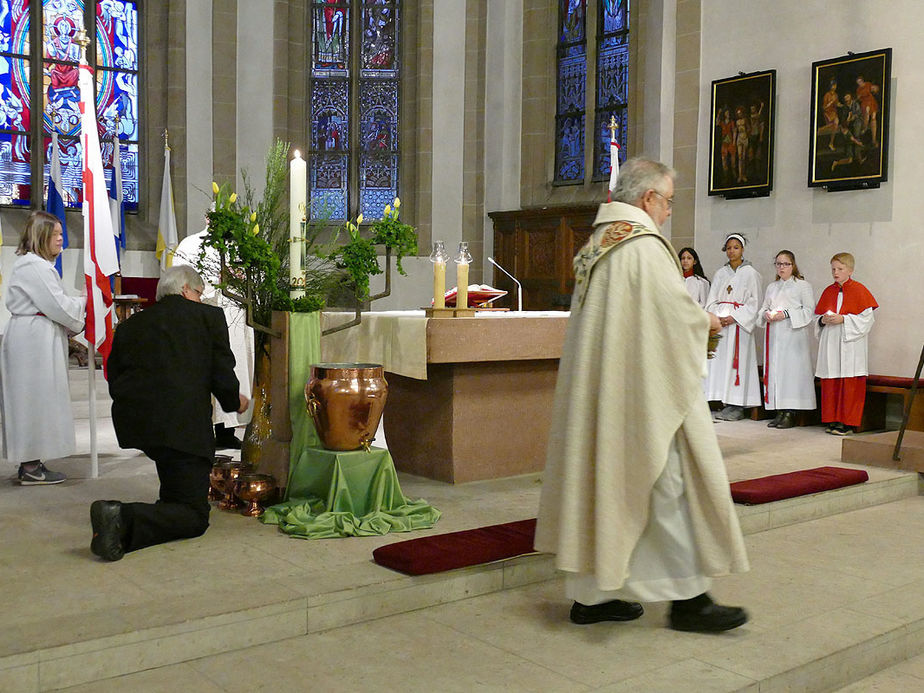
<point>741,145</point>
<point>849,138</point>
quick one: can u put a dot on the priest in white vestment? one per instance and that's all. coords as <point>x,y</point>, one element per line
<point>787,312</point>
<point>35,400</point>
<point>635,499</point>
<point>239,333</point>
<point>735,298</point>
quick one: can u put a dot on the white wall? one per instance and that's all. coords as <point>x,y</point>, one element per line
<point>880,227</point>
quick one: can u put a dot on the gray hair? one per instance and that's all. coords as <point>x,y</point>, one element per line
<point>173,279</point>
<point>637,176</point>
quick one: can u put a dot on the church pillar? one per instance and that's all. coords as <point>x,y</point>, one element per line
<point>199,153</point>
<point>448,122</point>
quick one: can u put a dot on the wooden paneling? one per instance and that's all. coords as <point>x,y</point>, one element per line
<point>537,246</point>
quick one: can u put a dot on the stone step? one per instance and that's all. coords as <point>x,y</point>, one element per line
<point>231,615</point>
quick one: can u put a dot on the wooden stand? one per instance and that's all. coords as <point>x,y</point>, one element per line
<point>450,312</point>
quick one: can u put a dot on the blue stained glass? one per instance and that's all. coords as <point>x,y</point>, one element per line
<point>117,97</point>
<point>613,71</point>
<point>572,78</point>
<point>330,115</point>
<point>62,20</point>
<point>15,169</point>
<point>330,38</point>
<point>378,116</point>
<point>615,15</point>
<point>328,186</point>
<point>117,34</point>
<point>379,43</point>
<point>569,154</point>
<point>14,27</point>
<point>378,183</point>
<point>14,101</point>
<point>572,13</point>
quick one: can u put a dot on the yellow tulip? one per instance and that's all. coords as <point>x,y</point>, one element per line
<point>256,229</point>
<point>215,187</point>
<point>397,203</point>
<point>232,198</point>
<point>253,216</point>
<point>359,220</point>
<point>387,210</point>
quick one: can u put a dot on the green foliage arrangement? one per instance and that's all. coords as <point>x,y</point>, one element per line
<point>253,238</point>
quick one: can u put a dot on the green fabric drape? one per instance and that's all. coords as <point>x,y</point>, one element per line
<point>342,494</point>
<point>336,494</point>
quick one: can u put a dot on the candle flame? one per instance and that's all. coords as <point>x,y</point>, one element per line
<point>297,155</point>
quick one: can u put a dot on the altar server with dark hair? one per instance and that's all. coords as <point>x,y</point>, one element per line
<point>36,403</point>
<point>787,312</point>
<point>845,318</point>
<point>735,298</point>
<point>635,499</point>
<point>694,277</point>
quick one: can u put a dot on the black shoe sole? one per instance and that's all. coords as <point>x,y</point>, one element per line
<point>103,544</point>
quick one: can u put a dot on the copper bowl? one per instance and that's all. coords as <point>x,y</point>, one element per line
<point>255,489</point>
<point>227,473</point>
<point>215,492</point>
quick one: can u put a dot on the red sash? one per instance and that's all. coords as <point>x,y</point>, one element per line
<point>737,333</point>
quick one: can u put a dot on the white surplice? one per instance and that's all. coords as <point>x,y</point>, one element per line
<point>698,288</point>
<point>240,334</point>
<point>38,423</point>
<point>735,293</point>
<point>789,381</point>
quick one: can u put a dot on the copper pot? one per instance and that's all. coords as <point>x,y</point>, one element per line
<point>215,489</point>
<point>345,401</point>
<point>226,474</point>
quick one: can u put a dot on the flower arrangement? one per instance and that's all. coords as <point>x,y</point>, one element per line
<point>252,241</point>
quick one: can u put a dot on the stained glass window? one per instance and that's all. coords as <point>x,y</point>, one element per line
<point>612,81</point>
<point>112,27</point>
<point>572,76</point>
<point>353,123</point>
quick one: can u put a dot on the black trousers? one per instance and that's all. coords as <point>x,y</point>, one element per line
<point>181,512</point>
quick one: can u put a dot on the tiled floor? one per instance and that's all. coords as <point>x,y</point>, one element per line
<point>821,594</point>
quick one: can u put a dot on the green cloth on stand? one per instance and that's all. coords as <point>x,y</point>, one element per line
<point>304,352</point>
<point>342,494</point>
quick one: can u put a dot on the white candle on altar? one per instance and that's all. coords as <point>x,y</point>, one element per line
<point>438,257</point>
<point>462,261</point>
<point>298,190</point>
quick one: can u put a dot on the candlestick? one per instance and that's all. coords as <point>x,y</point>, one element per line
<point>439,257</point>
<point>298,187</point>
<point>462,262</point>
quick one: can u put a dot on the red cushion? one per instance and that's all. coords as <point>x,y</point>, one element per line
<point>458,549</point>
<point>889,381</point>
<point>779,486</point>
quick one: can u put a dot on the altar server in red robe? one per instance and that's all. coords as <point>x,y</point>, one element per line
<point>845,312</point>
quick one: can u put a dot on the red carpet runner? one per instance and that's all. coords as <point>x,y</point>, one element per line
<point>487,544</point>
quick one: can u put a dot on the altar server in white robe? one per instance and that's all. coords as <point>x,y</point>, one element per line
<point>844,319</point>
<point>787,313</point>
<point>635,500</point>
<point>694,277</point>
<point>38,423</point>
<point>735,298</point>
<point>239,333</point>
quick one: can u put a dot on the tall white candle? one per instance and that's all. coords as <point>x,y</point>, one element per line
<point>462,282</point>
<point>439,284</point>
<point>298,191</point>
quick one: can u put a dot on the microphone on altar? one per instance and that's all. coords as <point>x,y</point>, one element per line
<point>515,281</point>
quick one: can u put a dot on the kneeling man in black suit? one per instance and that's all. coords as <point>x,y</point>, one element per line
<point>166,363</point>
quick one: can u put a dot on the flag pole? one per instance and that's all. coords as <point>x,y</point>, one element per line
<point>82,41</point>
